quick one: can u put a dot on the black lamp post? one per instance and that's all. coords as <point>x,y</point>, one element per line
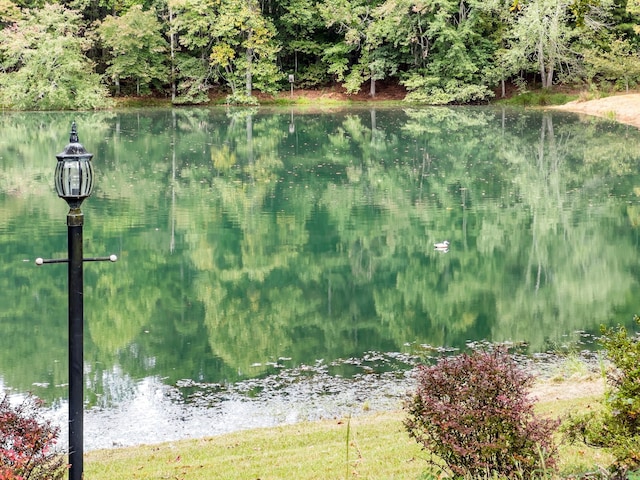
<point>74,183</point>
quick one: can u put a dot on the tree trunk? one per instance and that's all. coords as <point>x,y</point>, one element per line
<point>232,83</point>
<point>372,90</point>
<point>549,81</point>
<point>248,77</point>
<point>543,77</point>
<point>172,38</point>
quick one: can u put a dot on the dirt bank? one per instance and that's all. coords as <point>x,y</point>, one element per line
<point>622,108</point>
<point>548,391</point>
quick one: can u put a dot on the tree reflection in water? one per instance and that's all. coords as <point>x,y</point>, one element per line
<point>244,242</point>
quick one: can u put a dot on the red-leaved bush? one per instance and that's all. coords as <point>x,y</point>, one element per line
<point>472,412</point>
<point>26,443</point>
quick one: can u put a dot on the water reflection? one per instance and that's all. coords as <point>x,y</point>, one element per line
<point>244,241</point>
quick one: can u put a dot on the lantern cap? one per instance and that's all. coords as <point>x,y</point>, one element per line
<point>74,148</point>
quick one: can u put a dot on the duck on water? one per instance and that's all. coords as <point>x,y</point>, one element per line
<point>442,245</point>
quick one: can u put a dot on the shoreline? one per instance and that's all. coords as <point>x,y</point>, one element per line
<point>161,413</point>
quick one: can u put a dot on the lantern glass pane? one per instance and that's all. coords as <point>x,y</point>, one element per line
<point>74,178</point>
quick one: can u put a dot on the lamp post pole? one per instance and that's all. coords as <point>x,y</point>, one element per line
<point>74,183</point>
<point>76,344</point>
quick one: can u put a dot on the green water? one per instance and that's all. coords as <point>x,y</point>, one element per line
<point>255,241</point>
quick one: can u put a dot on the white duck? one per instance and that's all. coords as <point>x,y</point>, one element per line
<point>442,245</point>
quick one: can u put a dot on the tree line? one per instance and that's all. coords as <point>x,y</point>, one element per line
<point>77,53</point>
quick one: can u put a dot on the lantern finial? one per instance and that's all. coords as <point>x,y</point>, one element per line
<point>73,138</point>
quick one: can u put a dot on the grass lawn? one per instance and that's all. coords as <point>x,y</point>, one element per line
<point>371,446</point>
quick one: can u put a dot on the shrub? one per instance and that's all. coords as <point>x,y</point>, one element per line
<point>241,99</point>
<point>623,399</point>
<point>472,413</point>
<point>26,443</point>
<point>617,426</point>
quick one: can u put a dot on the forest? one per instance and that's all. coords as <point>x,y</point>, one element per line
<point>80,54</point>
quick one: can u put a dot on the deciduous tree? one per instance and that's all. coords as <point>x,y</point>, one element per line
<point>302,35</point>
<point>244,47</point>
<point>233,41</point>
<point>138,48</point>
<point>620,64</point>
<point>541,38</point>
<point>453,51</point>
<point>349,56</point>
<point>44,65</point>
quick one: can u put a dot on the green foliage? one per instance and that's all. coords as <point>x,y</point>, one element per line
<point>312,75</point>
<point>473,414</point>
<point>618,426</point>
<point>540,39</point>
<point>337,57</point>
<point>619,64</point>
<point>241,99</point>
<point>137,47</point>
<point>9,12</point>
<point>192,76</point>
<point>234,39</point>
<point>624,399</point>
<point>244,50</point>
<point>457,60</point>
<point>444,51</point>
<point>358,55</point>
<point>44,66</point>
<point>299,30</point>
<point>26,443</point>
<point>431,91</point>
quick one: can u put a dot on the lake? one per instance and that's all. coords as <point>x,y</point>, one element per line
<point>288,254</point>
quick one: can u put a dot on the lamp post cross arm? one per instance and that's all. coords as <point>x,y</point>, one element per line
<point>110,258</point>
